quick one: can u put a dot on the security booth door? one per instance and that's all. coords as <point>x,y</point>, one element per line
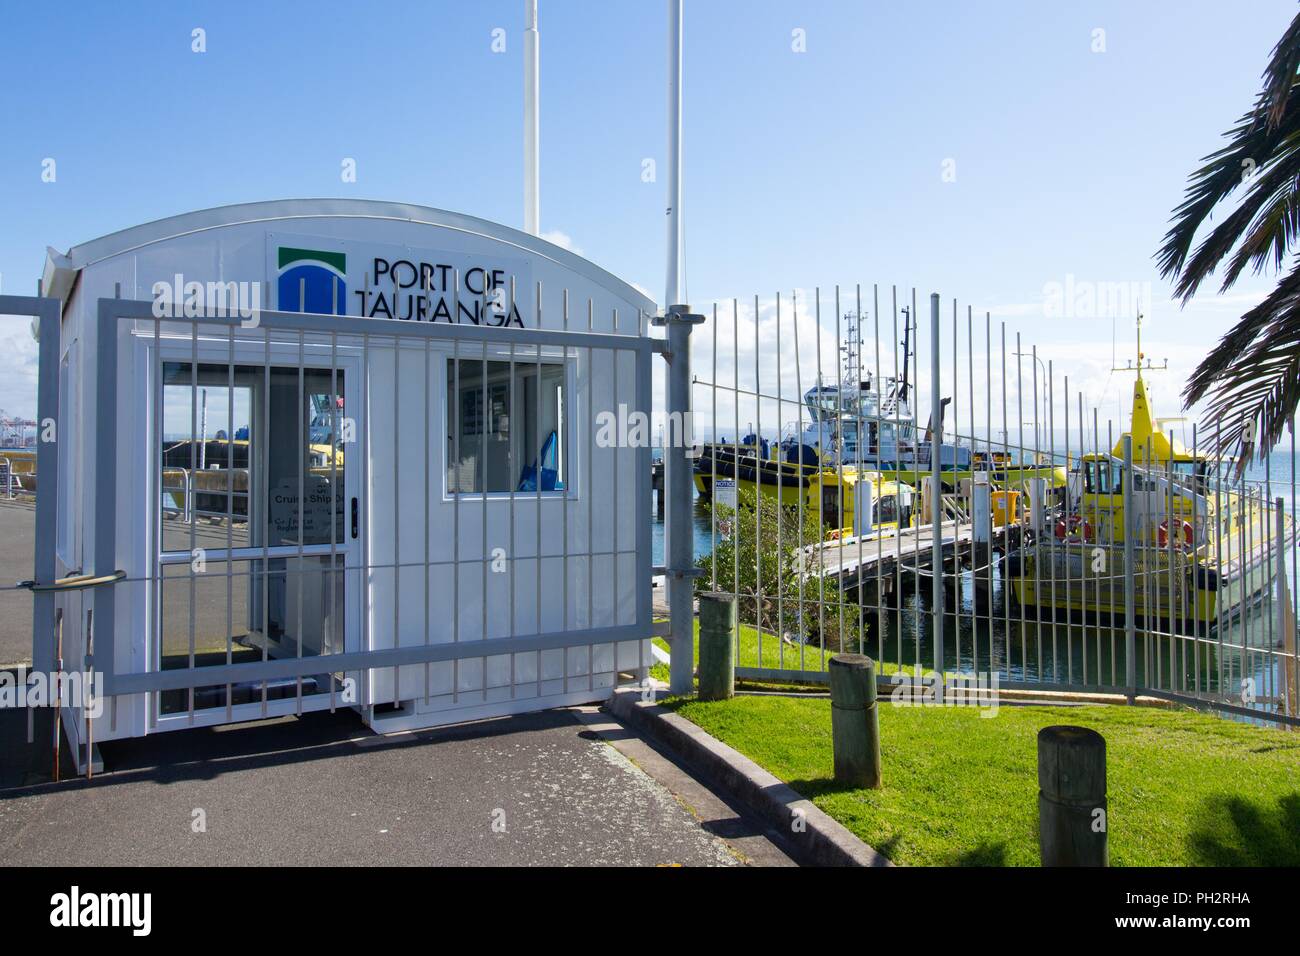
<point>258,524</point>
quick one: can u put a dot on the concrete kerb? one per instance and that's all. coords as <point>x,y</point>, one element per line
<point>816,837</point>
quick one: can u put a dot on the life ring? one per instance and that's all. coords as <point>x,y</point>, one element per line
<point>1074,528</point>
<point>834,534</point>
<point>1186,539</point>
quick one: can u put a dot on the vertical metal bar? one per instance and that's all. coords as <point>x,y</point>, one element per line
<point>879,418</point>
<point>735,411</point>
<point>428,499</point>
<point>1020,456</point>
<point>338,505</point>
<point>1220,555</point>
<point>713,460</point>
<point>537,564</point>
<point>537,484</point>
<point>265,530</point>
<point>780,503</point>
<point>515,469</point>
<point>48,479</point>
<point>1130,609</point>
<point>230,508</point>
<point>974,446</point>
<point>1069,546</point>
<point>800,508</point>
<point>936,504</point>
<point>1110,558</point>
<point>1051,541</point>
<point>1006,526</point>
<point>1198,493</point>
<point>591,484</point>
<point>156,517</point>
<point>89,701</point>
<point>614,485</point>
<point>1284,619</point>
<point>565,466</point>
<point>1039,532</point>
<point>190,495</point>
<point>455,504</point>
<point>302,510</point>
<point>898,399</point>
<point>758,495</point>
<point>915,319</point>
<point>678,515</point>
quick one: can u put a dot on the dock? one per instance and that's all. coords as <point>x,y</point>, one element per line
<point>855,561</point>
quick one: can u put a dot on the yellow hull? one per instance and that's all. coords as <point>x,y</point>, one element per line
<point>1090,579</point>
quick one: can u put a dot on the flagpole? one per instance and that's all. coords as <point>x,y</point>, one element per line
<point>673,291</point>
<point>532,160</point>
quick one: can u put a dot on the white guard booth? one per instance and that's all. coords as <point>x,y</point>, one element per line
<point>344,454</point>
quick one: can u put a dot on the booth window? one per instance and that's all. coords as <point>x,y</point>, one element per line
<point>505,430</point>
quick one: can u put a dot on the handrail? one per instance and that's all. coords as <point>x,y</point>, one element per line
<point>76,582</point>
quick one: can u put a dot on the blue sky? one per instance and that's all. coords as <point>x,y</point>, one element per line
<point>802,168</point>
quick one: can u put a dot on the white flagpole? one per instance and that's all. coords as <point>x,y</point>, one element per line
<point>532,201</point>
<point>673,291</point>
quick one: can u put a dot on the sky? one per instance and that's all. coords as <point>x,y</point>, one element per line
<point>993,152</point>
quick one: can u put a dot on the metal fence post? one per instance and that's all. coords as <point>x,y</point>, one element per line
<point>936,499</point>
<point>1130,604</point>
<point>678,529</point>
<point>1285,616</point>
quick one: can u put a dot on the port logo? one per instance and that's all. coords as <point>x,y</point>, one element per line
<point>309,280</point>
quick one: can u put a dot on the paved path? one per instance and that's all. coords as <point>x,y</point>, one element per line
<point>17,557</point>
<point>323,790</point>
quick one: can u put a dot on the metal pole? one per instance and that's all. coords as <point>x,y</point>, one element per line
<point>1285,629</point>
<point>673,295</point>
<point>678,528</point>
<point>1130,605</point>
<point>936,505</point>
<point>532,160</point>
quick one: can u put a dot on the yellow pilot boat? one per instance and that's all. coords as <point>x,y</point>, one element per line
<point>1200,551</point>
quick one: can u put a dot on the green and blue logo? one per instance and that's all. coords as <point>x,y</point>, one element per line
<point>309,280</point>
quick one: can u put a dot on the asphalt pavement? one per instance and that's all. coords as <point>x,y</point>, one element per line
<point>551,788</point>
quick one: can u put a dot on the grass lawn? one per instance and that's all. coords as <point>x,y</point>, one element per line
<point>772,654</point>
<point>1185,789</point>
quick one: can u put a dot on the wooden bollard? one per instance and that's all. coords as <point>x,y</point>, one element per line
<point>717,646</point>
<point>1072,824</point>
<point>855,720</point>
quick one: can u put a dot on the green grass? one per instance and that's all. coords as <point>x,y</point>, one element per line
<point>1185,789</point>
<point>770,654</point>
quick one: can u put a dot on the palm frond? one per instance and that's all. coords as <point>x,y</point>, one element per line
<point>1263,150</point>
<point>1252,377</point>
<point>1280,74</point>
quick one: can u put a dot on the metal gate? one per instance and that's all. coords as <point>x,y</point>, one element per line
<point>921,485</point>
<point>554,557</point>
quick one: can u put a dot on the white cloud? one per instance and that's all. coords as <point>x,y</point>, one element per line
<point>561,239</point>
<point>18,381</point>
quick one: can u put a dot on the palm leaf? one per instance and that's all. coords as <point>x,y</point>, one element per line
<point>1251,378</point>
<point>1266,141</point>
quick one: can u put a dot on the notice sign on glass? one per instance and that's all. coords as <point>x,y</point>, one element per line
<point>724,492</point>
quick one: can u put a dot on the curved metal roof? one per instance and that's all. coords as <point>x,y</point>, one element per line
<point>279,210</point>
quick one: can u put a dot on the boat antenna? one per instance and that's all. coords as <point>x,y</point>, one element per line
<point>1141,356</point>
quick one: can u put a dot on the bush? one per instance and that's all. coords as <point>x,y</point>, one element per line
<point>779,587</point>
